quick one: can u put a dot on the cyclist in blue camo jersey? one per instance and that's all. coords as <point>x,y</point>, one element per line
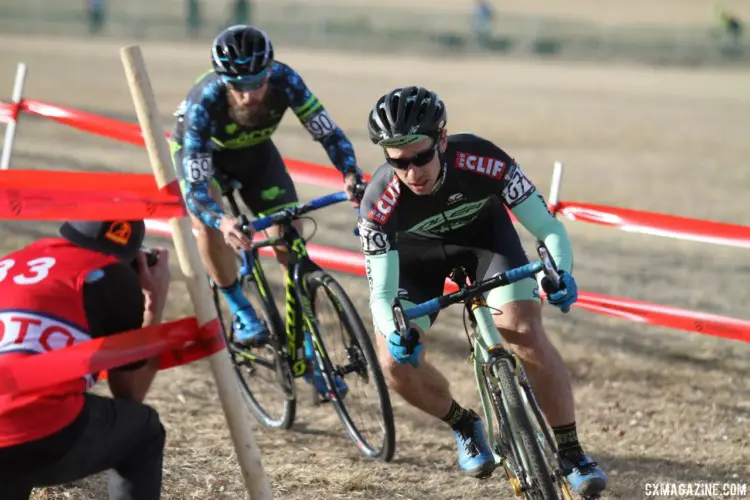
<point>223,132</point>
<point>439,202</point>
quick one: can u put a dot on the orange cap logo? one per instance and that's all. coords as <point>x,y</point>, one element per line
<point>119,232</point>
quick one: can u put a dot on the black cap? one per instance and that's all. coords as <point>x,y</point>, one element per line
<point>120,238</point>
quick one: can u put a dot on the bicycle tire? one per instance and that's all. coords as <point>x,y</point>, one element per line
<point>266,307</point>
<point>524,433</point>
<point>350,319</point>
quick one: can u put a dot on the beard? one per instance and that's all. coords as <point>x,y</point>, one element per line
<point>247,116</point>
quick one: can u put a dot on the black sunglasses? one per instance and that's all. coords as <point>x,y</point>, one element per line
<point>418,160</point>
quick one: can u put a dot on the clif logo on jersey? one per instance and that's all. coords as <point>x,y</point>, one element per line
<point>383,208</point>
<point>491,167</point>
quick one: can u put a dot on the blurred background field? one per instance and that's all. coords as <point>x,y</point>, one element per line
<point>664,32</point>
<point>646,102</point>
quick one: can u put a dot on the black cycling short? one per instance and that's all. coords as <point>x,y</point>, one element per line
<point>266,184</point>
<point>425,263</point>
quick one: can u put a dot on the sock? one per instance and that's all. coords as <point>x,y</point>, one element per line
<point>457,416</point>
<point>566,437</point>
<point>234,297</point>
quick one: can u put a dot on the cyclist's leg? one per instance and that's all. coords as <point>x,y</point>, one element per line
<point>423,267</point>
<point>422,272</point>
<point>220,261</point>
<point>267,188</point>
<point>217,258</point>
<point>519,318</point>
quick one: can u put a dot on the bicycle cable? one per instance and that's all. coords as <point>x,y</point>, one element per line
<point>466,326</point>
<point>315,228</point>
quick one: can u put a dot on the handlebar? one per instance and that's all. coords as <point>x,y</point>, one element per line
<point>292,213</point>
<point>545,263</point>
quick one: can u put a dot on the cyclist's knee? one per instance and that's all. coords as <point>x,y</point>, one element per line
<point>207,234</point>
<point>520,323</point>
<point>396,374</point>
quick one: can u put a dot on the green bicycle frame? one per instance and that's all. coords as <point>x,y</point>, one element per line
<point>298,307</point>
<point>486,335</point>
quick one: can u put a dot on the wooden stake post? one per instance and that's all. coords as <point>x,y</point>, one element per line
<point>248,454</point>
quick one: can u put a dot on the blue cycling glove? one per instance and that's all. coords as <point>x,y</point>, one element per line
<point>405,350</point>
<point>563,296</point>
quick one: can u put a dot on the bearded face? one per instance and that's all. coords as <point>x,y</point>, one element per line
<point>247,108</point>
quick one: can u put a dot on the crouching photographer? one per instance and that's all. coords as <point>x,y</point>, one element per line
<point>94,281</point>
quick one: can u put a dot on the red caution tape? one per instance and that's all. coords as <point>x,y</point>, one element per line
<point>87,122</point>
<point>209,341</point>
<point>671,317</point>
<point>6,112</point>
<point>625,219</point>
<point>671,226</point>
<point>178,342</point>
<point>53,195</point>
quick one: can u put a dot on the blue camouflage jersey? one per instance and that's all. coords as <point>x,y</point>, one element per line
<point>204,126</point>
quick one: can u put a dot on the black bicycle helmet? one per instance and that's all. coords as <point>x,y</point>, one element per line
<point>405,115</point>
<point>241,50</point>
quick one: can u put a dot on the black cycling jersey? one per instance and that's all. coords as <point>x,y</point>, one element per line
<point>411,241</point>
<point>474,171</point>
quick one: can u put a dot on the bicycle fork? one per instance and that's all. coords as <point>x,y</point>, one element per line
<point>489,354</point>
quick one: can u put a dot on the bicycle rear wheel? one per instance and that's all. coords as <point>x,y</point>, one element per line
<point>520,434</point>
<point>263,374</point>
<point>356,364</point>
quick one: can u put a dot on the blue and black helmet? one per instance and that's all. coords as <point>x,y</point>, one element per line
<point>241,51</point>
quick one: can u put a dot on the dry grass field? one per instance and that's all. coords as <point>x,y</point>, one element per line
<point>652,404</point>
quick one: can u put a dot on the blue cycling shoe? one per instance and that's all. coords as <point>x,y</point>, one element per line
<point>317,377</point>
<point>248,329</point>
<point>474,453</point>
<point>583,474</point>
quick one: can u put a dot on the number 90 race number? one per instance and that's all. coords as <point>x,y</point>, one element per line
<point>199,168</point>
<point>320,125</point>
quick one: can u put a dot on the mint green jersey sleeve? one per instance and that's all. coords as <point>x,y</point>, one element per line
<point>532,213</point>
<point>382,276</point>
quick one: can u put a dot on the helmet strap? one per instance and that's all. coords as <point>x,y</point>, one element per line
<point>441,176</point>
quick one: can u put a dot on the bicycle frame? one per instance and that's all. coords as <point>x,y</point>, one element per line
<point>298,306</point>
<point>488,349</point>
<point>488,345</point>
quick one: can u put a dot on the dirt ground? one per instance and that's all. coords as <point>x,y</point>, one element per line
<point>652,404</point>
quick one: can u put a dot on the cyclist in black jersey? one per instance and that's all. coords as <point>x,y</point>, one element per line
<point>439,202</point>
<point>223,132</point>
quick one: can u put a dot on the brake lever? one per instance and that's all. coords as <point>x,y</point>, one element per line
<point>550,268</point>
<point>399,317</point>
<point>359,193</point>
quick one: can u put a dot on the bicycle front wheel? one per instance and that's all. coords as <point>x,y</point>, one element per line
<point>524,434</point>
<point>263,374</point>
<point>346,352</point>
